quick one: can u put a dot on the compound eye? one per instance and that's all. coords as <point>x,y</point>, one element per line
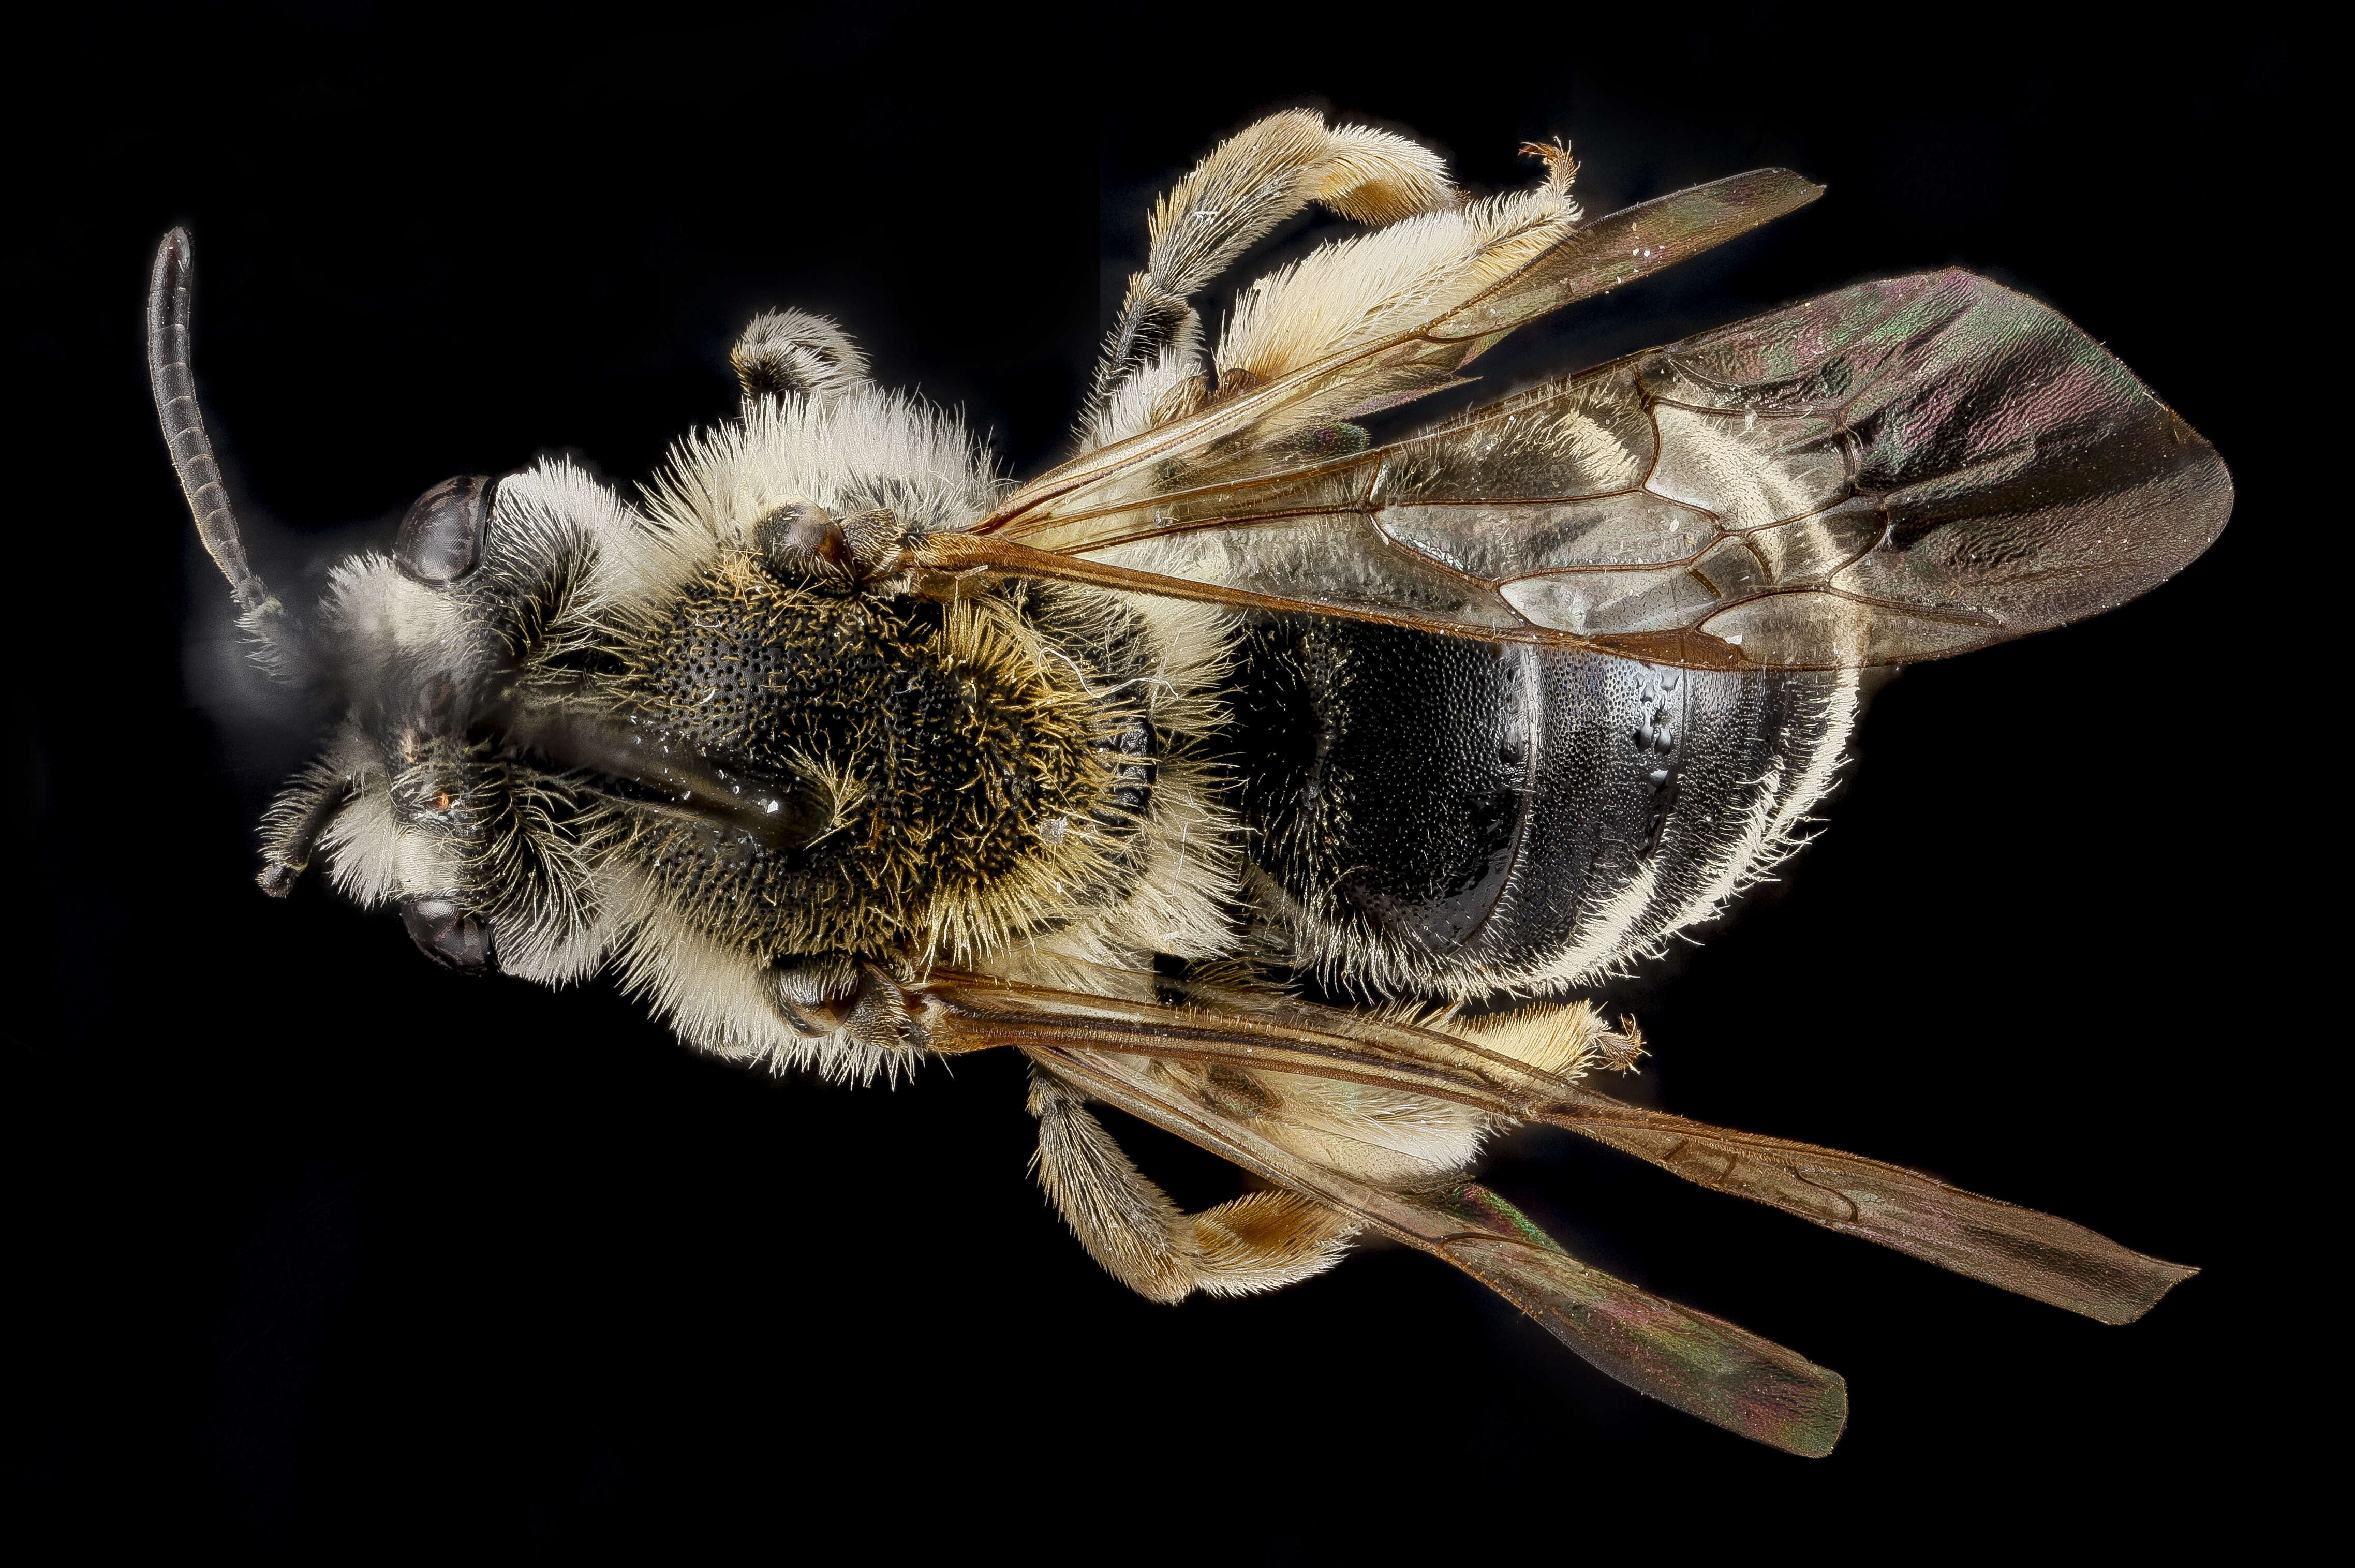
<point>441,537</point>
<point>448,934</point>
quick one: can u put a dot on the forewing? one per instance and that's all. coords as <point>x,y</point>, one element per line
<point>1257,430</point>
<point>1899,471</point>
<point>2020,1250</point>
<point>2034,1254</point>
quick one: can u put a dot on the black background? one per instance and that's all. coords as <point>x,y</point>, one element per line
<point>323,1252</point>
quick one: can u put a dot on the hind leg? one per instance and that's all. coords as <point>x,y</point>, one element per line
<point>1262,1240</point>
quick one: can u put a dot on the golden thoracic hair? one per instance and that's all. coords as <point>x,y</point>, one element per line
<point>973,766</point>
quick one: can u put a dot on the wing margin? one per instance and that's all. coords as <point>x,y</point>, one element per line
<point>2023,1251</point>
<point>1689,1361</point>
<point>1898,471</point>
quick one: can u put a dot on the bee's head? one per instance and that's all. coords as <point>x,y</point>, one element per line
<point>483,750</point>
<point>423,651</point>
<point>480,750</point>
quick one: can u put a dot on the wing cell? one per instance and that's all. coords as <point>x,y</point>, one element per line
<point>1900,471</point>
<point>1500,543</point>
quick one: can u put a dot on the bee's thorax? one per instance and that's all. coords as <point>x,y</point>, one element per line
<point>972,760</point>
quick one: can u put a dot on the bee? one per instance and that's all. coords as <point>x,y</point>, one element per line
<point>1280,789</point>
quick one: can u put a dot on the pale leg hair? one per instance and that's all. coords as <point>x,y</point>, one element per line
<point>1250,183</point>
<point>1262,1240</point>
<point>791,353</point>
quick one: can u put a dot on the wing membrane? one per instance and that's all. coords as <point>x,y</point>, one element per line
<point>2039,1255</point>
<point>1246,434</point>
<point>1899,471</point>
<point>1697,1364</point>
<point>2029,1253</point>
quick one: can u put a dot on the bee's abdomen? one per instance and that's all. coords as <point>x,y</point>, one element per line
<point>1438,813</point>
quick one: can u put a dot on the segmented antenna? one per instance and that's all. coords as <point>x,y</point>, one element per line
<point>169,294</point>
